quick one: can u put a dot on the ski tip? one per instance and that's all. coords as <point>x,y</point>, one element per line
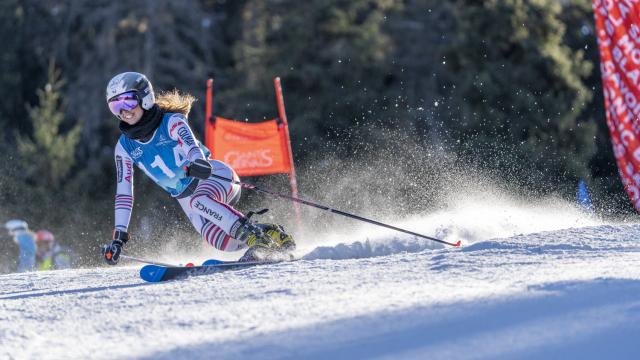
<point>152,273</point>
<point>458,243</point>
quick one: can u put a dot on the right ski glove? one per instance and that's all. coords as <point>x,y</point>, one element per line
<point>112,251</point>
<point>199,168</point>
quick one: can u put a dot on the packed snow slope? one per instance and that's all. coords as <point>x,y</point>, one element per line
<point>527,284</point>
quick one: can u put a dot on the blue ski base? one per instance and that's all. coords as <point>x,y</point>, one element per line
<point>158,273</point>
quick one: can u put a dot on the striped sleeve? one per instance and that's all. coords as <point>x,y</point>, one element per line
<point>180,131</point>
<point>124,188</point>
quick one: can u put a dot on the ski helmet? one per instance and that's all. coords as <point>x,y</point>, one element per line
<point>16,225</point>
<point>45,236</point>
<point>132,82</point>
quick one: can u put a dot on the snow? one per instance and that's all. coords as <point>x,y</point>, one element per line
<point>530,283</point>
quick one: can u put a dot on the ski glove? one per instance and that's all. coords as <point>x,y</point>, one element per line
<point>199,168</point>
<point>112,251</point>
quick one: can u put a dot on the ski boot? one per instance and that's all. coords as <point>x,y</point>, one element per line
<point>279,236</point>
<point>272,244</point>
<point>259,244</point>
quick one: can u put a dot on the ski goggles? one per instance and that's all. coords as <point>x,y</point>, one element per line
<point>126,101</point>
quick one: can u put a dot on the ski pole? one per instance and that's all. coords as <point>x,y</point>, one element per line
<point>335,211</point>
<point>145,261</point>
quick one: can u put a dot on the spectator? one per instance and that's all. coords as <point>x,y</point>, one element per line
<point>50,254</point>
<point>26,242</point>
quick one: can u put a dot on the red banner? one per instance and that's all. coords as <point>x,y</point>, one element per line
<point>618,32</point>
<point>253,148</point>
<point>249,148</point>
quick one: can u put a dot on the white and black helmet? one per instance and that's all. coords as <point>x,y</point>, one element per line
<point>15,225</point>
<point>132,81</point>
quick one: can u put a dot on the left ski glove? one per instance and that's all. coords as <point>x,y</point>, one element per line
<point>112,251</point>
<point>199,168</point>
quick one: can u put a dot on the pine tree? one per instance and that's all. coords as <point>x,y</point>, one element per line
<point>516,91</point>
<point>48,155</point>
<point>331,55</point>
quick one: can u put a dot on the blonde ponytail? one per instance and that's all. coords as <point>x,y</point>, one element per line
<point>175,102</point>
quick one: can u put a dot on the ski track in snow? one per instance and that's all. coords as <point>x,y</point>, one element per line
<point>562,293</point>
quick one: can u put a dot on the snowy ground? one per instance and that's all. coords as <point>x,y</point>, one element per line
<point>528,284</point>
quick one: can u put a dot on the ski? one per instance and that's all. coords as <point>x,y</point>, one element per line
<point>158,273</point>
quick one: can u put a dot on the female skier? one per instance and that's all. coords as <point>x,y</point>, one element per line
<point>157,139</point>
